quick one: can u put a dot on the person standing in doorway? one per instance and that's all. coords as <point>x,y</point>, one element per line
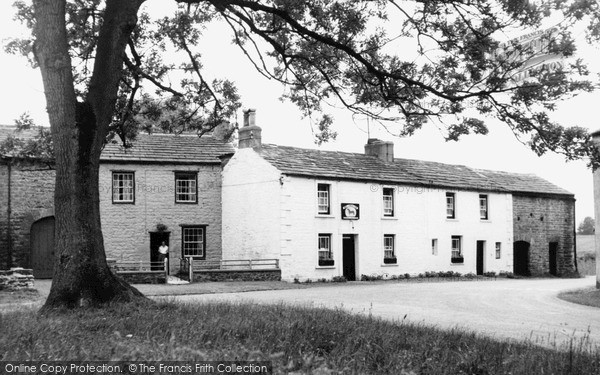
<point>163,251</point>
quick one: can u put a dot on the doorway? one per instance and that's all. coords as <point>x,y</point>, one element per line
<point>42,248</point>
<point>521,258</point>
<point>349,256</point>
<point>480,256</point>
<point>156,239</point>
<point>552,254</point>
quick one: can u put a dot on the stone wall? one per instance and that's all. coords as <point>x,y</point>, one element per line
<point>16,279</point>
<point>540,221</point>
<point>139,277</point>
<point>127,227</point>
<point>31,199</point>
<point>238,275</point>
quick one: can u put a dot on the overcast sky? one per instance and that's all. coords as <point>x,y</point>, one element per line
<point>282,123</point>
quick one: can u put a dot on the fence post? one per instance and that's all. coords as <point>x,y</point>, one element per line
<point>166,265</point>
<point>250,263</point>
<point>191,268</point>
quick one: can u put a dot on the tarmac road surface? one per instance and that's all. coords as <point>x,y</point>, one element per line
<point>502,308</point>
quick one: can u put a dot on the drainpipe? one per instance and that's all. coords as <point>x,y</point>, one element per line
<point>9,248</point>
<point>596,141</point>
<point>575,239</point>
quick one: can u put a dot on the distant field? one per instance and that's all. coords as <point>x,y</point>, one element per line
<point>585,244</point>
<point>586,254</point>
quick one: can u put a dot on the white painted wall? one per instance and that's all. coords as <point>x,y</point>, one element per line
<point>420,216</point>
<point>269,215</point>
<point>251,193</point>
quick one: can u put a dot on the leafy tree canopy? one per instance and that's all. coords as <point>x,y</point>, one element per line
<point>401,63</point>
<point>586,226</point>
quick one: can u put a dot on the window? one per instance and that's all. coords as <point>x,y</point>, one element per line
<point>450,205</point>
<point>388,202</point>
<point>325,255</point>
<point>186,187</point>
<point>434,246</point>
<point>457,256</point>
<point>389,255</point>
<point>498,250</point>
<point>483,206</point>
<point>323,203</point>
<point>123,187</point>
<point>193,242</point>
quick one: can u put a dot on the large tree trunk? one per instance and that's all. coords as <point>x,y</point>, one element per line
<point>81,274</point>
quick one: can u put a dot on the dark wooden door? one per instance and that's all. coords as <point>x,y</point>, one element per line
<point>156,239</point>
<point>349,257</point>
<point>521,258</point>
<point>42,248</point>
<point>480,256</point>
<point>552,253</point>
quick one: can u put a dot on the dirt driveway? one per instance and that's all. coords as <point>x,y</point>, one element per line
<point>505,308</point>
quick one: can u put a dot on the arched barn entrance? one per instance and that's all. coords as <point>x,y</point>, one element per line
<point>42,248</point>
<point>521,258</point>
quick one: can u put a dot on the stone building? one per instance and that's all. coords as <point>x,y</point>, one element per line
<point>324,214</point>
<point>320,214</point>
<point>164,188</point>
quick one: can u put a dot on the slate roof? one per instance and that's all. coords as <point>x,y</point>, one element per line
<point>155,148</point>
<point>353,166</point>
<point>168,148</point>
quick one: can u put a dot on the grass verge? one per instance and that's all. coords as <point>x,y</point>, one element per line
<point>301,340</point>
<point>587,296</point>
<point>19,296</point>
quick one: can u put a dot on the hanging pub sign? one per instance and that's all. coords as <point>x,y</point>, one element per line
<point>350,211</point>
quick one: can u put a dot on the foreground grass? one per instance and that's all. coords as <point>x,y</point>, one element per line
<point>587,296</point>
<point>301,340</point>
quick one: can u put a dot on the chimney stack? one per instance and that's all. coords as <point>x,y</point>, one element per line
<point>383,150</point>
<point>250,135</point>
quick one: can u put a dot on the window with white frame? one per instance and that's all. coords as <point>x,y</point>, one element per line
<point>323,201</point>
<point>457,249</point>
<point>186,187</point>
<point>483,206</point>
<point>325,253</point>
<point>388,201</point>
<point>434,246</point>
<point>193,241</point>
<point>123,187</point>
<point>450,205</point>
<point>498,250</point>
<point>388,246</point>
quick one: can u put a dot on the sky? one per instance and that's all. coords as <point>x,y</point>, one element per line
<point>283,124</point>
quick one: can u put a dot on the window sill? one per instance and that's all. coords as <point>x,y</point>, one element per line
<point>115,202</point>
<point>325,216</point>
<point>389,218</point>
<point>451,219</point>
<point>457,264</point>
<point>389,264</point>
<point>485,221</point>
<point>325,267</point>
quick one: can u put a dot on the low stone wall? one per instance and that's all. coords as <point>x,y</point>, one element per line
<point>16,278</point>
<point>237,275</point>
<point>143,277</point>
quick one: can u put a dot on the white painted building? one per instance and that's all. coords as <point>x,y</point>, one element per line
<point>325,214</point>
